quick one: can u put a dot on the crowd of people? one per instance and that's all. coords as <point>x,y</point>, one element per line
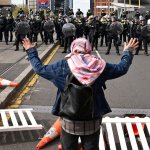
<point>97,29</point>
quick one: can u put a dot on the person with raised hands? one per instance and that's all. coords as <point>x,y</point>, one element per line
<point>89,71</point>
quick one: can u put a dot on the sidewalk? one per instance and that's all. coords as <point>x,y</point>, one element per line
<point>21,73</point>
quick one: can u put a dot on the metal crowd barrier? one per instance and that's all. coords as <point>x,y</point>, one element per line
<point>21,119</point>
<point>125,123</point>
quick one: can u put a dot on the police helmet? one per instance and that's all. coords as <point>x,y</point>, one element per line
<point>91,17</point>
<point>22,16</point>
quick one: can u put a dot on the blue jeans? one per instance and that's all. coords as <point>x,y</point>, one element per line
<point>88,142</point>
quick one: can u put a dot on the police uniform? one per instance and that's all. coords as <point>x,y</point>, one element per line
<point>3,22</point>
<point>68,30</point>
<point>112,36</point>
<point>94,31</point>
<point>103,33</point>
<point>9,28</point>
<point>22,29</point>
<point>142,39</point>
<point>79,27</point>
<point>48,27</point>
<point>126,31</point>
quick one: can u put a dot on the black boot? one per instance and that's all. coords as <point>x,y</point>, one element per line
<point>17,49</point>
<point>117,53</point>
<point>146,54</point>
<point>107,53</point>
<point>64,52</point>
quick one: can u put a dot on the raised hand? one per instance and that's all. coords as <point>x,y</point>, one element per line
<point>132,45</point>
<point>27,43</point>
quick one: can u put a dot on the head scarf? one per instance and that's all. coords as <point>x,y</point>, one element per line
<point>84,66</point>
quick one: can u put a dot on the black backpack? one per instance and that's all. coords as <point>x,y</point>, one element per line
<point>77,101</point>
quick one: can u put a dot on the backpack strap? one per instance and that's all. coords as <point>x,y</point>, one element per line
<point>68,79</point>
<point>104,86</point>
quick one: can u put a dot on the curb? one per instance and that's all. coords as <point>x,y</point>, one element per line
<point>9,92</point>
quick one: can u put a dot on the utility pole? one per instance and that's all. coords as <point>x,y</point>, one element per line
<point>109,7</point>
<point>125,5</point>
<point>139,3</point>
<point>129,2</point>
<point>23,3</point>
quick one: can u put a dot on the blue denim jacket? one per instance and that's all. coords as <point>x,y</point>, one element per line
<point>58,72</point>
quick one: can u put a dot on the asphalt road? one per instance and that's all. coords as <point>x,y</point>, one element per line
<point>128,94</point>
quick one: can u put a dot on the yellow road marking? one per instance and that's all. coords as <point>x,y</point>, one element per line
<point>17,101</point>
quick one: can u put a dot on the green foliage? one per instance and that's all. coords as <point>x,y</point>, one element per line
<point>17,8</point>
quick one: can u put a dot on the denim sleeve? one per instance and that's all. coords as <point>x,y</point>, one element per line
<point>53,72</point>
<point>113,71</point>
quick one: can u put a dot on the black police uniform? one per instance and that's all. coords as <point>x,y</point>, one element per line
<point>142,39</point>
<point>112,36</point>
<point>3,23</point>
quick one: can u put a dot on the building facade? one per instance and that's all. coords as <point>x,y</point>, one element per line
<point>5,3</point>
<point>103,4</point>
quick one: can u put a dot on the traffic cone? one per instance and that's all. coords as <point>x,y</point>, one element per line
<point>134,127</point>
<point>51,134</point>
<point>4,82</point>
<point>60,147</point>
<point>79,143</point>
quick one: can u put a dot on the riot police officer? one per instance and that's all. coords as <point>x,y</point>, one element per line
<point>21,11</point>
<point>70,12</point>
<point>112,30</point>
<point>126,30</point>
<point>68,30</point>
<point>124,15</point>
<point>137,14</point>
<point>142,38</point>
<point>89,13</point>
<point>103,13</point>
<point>133,28</point>
<point>103,33</point>
<point>48,27</point>
<point>79,26</point>
<point>59,22</point>
<point>22,29</point>
<point>34,28</point>
<point>94,24</point>
<point>79,12</point>
<point>3,23</point>
<point>61,11</point>
<point>9,28</point>
<point>147,15</point>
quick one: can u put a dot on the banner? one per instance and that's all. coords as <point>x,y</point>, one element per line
<point>43,4</point>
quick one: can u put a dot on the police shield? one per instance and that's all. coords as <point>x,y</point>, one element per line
<point>68,29</point>
<point>49,26</point>
<point>145,32</point>
<point>116,28</point>
<point>23,28</point>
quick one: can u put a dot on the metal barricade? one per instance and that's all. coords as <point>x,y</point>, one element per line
<point>120,123</point>
<point>21,119</point>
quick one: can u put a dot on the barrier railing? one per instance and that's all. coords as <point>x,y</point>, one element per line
<point>21,119</point>
<point>124,123</point>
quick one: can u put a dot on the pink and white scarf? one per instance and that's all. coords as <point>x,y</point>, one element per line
<point>83,65</point>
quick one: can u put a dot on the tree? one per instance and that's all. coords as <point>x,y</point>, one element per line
<point>17,8</point>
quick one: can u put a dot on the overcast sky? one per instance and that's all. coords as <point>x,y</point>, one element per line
<point>17,2</point>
